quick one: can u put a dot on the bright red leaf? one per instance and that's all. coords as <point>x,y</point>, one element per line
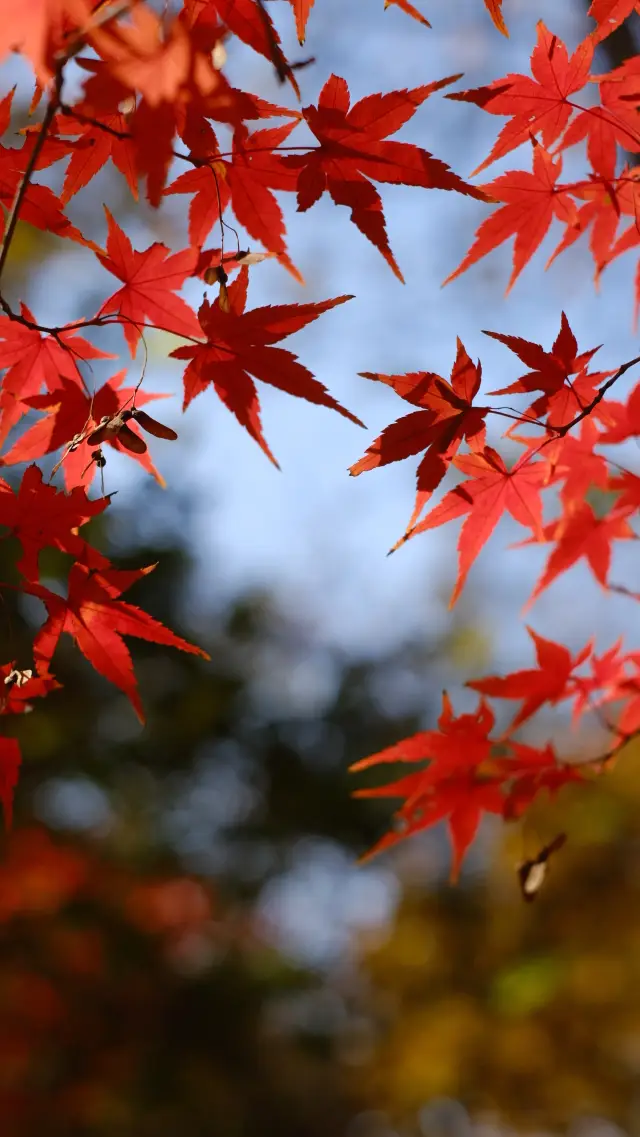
<point>490,490</point>
<point>239,345</point>
<point>582,534</point>
<point>458,784</point>
<point>96,619</point>
<point>531,201</point>
<point>353,149</point>
<point>39,515</point>
<point>445,418</point>
<point>539,105</point>
<point>71,412</point>
<point>150,279</point>
<point>549,682</point>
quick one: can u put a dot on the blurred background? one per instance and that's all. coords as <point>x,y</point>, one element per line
<point>188,946</point>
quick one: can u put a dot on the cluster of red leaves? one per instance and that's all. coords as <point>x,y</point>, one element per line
<point>152,92</point>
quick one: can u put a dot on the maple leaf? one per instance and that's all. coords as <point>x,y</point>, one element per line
<point>620,420</point>
<point>171,66</point>
<point>94,144</point>
<point>609,14</point>
<point>582,534</point>
<point>239,345</point>
<point>531,201</point>
<point>612,124</point>
<point>608,675</point>
<point>154,57</point>
<point>409,10</point>
<point>531,772</point>
<point>40,515</point>
<point>301,10</point>
<point>246,184</point>
<point>37,29</point>
<point>535,105</point>
<point>149,280</point>
<point>445,418</point>
<point>562,397</point>
<point>549,682</point>
<point>600,216</point>
<point>458,783</point>
<point>34,359</point>
<point>10,759</point>
<point>494,8</point>
<point>71,412</point>
<point>354,148</point>
<point>573,460</point>
<point>490,490</point>
<point>96,619</point>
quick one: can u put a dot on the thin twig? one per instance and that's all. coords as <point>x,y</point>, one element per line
<point>14,212</point>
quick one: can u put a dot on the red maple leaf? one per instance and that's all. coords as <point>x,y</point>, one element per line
<point>549,682</point>
<point>620,421</point>
<point>614,123</point>
<point>94,144</point>
<point>608,676</point>
<point>538,105</point>
<point>494,8</point>
<point>37,30</point>
<point>71,411</point>
<point>353,149</point>
<point>458,784</point>
<point>562,397</point>
<point>609,14</point>
<point>40,515</point>
<point>409,9</point>
<point>251,23</point>
<point>97,620</point>
<point>600,216</point>
<point>531,201</point>
<point>301,10</point>
<point>573,461</point>
<point>581,534</point>
<point>445,418</point>
<point>239,345</point>
<point>529,772</point>
<point>246,183</point>
<point>490,490</point>
<point>34,359</point>
<point>150,279</point>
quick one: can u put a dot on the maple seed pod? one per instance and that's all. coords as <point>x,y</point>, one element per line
<point>131,441</point>
<point>532,874</point>
<point>114,428</point>
<point>152,426</point>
